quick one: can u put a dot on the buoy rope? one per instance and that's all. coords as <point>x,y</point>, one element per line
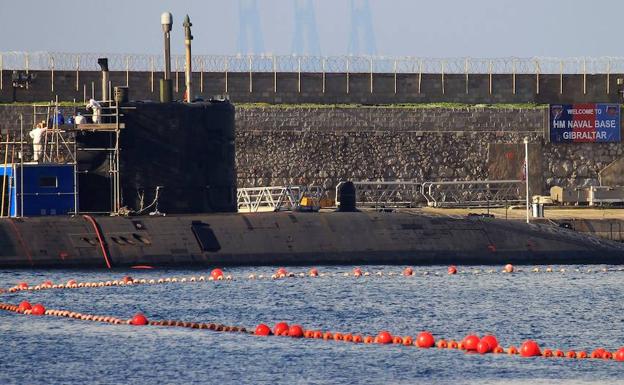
<point>424,340</point>
<point>100,239</point>
<point>218,275</point>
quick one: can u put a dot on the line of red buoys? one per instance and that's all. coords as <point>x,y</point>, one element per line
<point>218,275</point>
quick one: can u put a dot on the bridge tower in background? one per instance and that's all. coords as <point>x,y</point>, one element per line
<point>250,40</point>
<point>305,39</point>
<point>362,41</point>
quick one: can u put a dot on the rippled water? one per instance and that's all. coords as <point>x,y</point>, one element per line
<point>573,310</point>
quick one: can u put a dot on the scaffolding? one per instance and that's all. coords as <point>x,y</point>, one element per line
<point>59,147</point>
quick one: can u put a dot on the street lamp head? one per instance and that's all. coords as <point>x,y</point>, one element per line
<point>526,140</point>
<point>166,19</point>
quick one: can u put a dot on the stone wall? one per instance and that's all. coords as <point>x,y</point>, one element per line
<point>333,88</point>
<point>277,145</point>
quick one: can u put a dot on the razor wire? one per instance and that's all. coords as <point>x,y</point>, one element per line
<point>62,61</point>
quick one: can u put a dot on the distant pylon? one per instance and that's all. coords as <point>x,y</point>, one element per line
<point>250,40</point>
<point>362,33</point>
<point>305,40</point>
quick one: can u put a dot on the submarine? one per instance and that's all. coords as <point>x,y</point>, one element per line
<point>154,184</point>
<point>149,184</point>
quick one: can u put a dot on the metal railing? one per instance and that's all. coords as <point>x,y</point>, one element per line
<point>436,194</point>
<point>63,61</point>
<point>386,194</point>
<point>274,198</point>
<point>473,193</point>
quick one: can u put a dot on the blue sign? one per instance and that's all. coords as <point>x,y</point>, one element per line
<point>584,123</point>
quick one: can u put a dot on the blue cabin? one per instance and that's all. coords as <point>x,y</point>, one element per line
<point>38,189</point>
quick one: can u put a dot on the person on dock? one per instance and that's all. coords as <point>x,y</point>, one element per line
<point>97,110</point>
<point>37,134</point>
<point>80,119</point>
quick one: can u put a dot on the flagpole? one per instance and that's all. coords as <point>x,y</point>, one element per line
<point>526,175</point>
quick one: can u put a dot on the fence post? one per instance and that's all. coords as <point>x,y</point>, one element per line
<point>201,75</point>
<point>608,77</point>
<point>274,75</point>
<point>152,74</point>
<point>77,73</point>
<point>537,77</point>
<point>250,74</point>
<point>226,65</point>
<point>395,76</point>
<point>584,77</point>
<point>466,76</point>
<point>348,59</point>
<point>419,74</point>
<point>561,77</point>
<point>371,73</point>
<point>299,74</point>
<point>27,64</point>
<point>513,76</point>
<point>490,75</point>
<point>177,72</point>
<point>127,72</point>
<point>442,65</point>
<point>51,73</point>
<point>323,65</point>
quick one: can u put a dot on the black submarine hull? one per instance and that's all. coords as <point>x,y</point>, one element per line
<point>292,238</point>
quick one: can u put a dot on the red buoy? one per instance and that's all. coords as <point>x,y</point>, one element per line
<point>138,320</point>
<point>530,348</point>
<point>384,338</point>
<point>607,355</point>
<point>470,342</point>
<point>509,268</point>
<point>547,353</point>
<point>295,331</point>
<point>313,272</point>
<point>71,282</point>
<point>216,274</point>
<point>425,340</point>
<point>619,355</point>
<point>281,272</point>
<point>512,350</point>
<point>280,328</point>
<point>263,330</point>
<point>558,353</point>
<point>442,344</point>
<point>127,279</point>
<point>47,283</point>
<point>37,309</point>
<point>24,305</point>
<point>491,340</point>
<point>483,347</point>
<point>571,354</point>
<point>452,270</point>
<point>22,285</point>
<point>357,272</point>
<point>597,353</point>
<point>408,271</point>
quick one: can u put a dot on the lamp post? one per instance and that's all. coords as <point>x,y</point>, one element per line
<point>526,175</point>
<point>166,95</point>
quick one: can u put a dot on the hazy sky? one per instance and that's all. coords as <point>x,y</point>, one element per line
<point>425,28</point>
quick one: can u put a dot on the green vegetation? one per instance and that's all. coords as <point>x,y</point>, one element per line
<point>398,105</point>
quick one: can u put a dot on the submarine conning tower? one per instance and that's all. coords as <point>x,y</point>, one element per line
<point>186,148</point>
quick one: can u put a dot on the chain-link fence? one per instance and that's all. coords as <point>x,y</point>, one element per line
<point>45,61</point>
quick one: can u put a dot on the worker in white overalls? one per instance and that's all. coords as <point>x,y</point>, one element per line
<point>97,111</point>
<point>37,134</point>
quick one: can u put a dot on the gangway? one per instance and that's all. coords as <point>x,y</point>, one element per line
<point>274,198</point>
<point>473,193</point>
